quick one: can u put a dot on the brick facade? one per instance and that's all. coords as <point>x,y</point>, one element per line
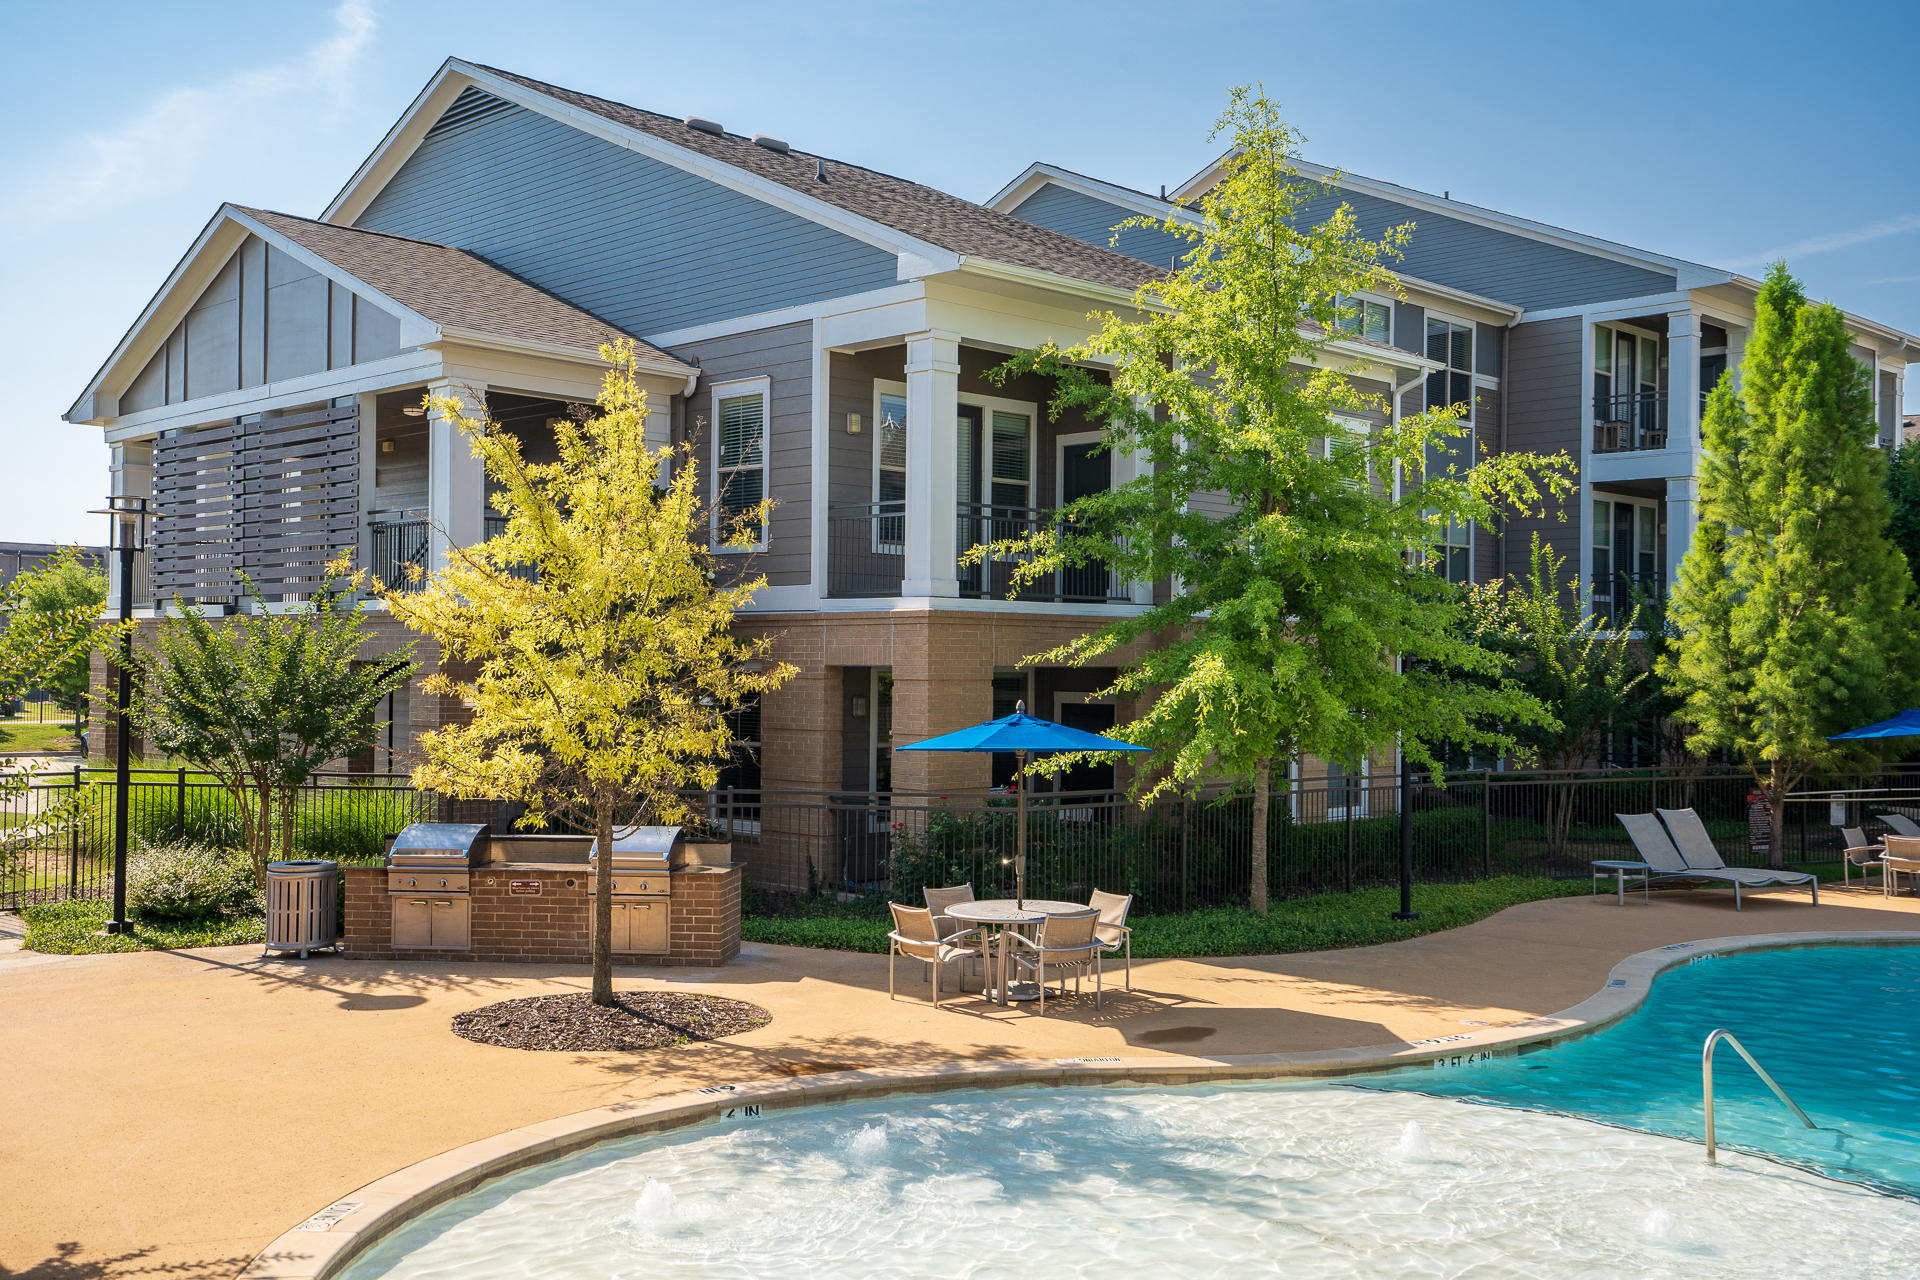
<point>551,926</point>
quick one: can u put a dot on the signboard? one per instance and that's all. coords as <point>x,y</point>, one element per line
<point>524,888</point>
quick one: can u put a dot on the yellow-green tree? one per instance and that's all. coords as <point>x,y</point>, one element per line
<point>589,641</point>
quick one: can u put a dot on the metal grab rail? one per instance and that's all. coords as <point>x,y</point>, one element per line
<point>1714,1038</point>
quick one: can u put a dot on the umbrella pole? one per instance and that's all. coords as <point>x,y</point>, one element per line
<point>1020,839</point>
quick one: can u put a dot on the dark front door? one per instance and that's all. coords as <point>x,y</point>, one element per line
<point>1084,469</point>
<point>1090,717</point>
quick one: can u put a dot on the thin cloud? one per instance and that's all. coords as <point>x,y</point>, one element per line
<point>158,151</point>
<point>1885,229</point>
<point>1896,280</point>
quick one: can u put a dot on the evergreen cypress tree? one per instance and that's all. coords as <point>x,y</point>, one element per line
<point>1793,607</point>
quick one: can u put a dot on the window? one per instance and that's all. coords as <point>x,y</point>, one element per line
<point>1452,345</point>
<point>1011,458</point>
<point>1626,555</point>
<point>1365,317</point>
<point>741,774</point>
<point>1626,388</point>
<point>739,457</point>
<point>1346,791</point>
<point>890,473</point>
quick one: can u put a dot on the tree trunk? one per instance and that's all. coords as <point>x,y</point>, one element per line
<point>603,908</point>
<point>286,822</point>
<point>1262,801</point>
<point>1777,813</point>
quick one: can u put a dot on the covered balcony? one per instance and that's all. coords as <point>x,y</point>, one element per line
<point>1649,378</point>
<point>866,556</point>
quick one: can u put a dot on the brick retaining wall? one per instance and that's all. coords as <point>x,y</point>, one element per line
<point>551,926</point>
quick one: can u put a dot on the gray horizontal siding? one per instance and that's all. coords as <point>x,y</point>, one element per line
<point>785,356</point>
<point>1091,220</point>
<point>643,245</point>
<point>1544,415</point>
<point>1490,262</point>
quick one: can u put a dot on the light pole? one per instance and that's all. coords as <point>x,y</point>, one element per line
<point>1406,911</point>
<point>127,525</point>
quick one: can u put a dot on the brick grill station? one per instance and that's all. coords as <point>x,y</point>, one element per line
<point>512,922</point>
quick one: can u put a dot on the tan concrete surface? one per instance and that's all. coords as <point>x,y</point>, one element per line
<point>174,1112</point>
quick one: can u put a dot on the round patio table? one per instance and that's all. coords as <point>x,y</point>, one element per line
<point>1003,915</point>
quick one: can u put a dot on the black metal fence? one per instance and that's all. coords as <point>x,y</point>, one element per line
<point>1324,835</point>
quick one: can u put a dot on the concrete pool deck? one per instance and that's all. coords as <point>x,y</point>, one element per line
<point>175,1112</point>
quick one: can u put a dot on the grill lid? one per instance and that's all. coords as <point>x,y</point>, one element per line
<point>642,846</point>
<point>440,843</point>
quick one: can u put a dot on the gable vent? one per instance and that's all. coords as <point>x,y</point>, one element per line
<point>470,108</point>
<point>700,125</point>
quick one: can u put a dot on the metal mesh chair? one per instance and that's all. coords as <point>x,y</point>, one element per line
<point>914,935</point>
<point>1112,933</point>
<point>1066,944</point>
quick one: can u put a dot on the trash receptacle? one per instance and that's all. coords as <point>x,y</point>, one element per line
<point>303,905</point>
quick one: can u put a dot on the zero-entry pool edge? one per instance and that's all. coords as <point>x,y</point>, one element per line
<point>325,1243</point>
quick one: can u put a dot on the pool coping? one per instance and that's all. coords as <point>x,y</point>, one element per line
<point>327,1241</point>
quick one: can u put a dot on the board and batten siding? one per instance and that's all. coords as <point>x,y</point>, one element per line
<point>1484,260</point>
<point>1545,415</point>
<point>265,317</point>
<point>784,356</point>
<point>639,243</point>
<point>1085,218</point>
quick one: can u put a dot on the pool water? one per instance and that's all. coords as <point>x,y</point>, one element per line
<point>1312,1180</point>
<point>1835,1025</point>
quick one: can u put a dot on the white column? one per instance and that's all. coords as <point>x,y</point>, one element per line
<point>933,428</point>
<point>368,405</point>
<point>131,476</point>
<point>1683,380</point>
<point>1683,503</point>
<point>456,480</point>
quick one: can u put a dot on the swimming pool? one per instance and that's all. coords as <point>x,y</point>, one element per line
<point>1834,1024</point>
<point>1383,1175</point>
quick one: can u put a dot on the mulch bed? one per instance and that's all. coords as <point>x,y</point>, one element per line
<point>640,1020</point>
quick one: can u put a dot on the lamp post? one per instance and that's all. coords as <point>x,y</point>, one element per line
<point>127,525</point>
<point>1406,911</point>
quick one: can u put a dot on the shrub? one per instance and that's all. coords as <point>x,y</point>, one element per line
<point>351,824</point>
<point>213,817</point>
<point>184,882</point>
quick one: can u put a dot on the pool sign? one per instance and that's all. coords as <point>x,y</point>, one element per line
<point>329,1218</point>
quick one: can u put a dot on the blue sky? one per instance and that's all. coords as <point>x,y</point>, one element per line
<point>1727,134</point>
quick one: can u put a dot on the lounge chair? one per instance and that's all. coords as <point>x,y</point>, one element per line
<point>1899,824</point>
<point>1066,944</point>
<point>1665,862</point>
<point>1112,932</point>
<point>1902,859</point>
<point>914,935</point>
<point>1859,853</point>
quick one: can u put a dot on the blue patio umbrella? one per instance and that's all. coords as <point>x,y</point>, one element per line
<point>1023,735</point>
<point>1904,725</point>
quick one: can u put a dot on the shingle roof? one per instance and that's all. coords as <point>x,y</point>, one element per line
<point>451,287</point>
<point>922,212</point>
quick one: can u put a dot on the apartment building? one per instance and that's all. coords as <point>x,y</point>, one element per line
<point>823,333</point>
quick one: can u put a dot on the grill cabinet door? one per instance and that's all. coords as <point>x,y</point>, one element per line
<point>412,922</point>
<point>452,923</point>
<point>647,927</point>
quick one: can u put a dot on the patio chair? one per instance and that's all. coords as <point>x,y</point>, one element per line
<point>1066,943</point>
<point>1902,859</point>
<point>1112,932</point>
<point>914,935</point>
<point>1859,853</point>
<point>1899,824</point>
<point>957,933</point>
<point>1664,862</point>
<point>1696,849</point>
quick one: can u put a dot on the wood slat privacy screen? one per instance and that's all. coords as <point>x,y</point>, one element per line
<point>277,496</point>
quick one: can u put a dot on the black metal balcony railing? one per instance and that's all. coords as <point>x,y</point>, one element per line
<point>867,544</point>
<point>399,544</point>
<point>1630,423</point>
<point>1616,596</point>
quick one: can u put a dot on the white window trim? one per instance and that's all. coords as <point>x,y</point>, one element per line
<point>1613,565</point>
<point>1369,295</point>
<point>1061,443</point>
<point>987,405</point>
<point>884,387</point>
<point>1338,813</point>
<point>763,386</point>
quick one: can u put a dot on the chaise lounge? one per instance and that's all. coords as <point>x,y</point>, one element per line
<point>1701,862</point>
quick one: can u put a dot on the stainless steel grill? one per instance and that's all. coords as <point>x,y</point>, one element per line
<point>429,871</point>
<point>642,858</point>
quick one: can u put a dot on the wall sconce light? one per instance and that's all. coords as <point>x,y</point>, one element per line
<point>859,707</point>
<point>853,424</point>
<point>386,446</point>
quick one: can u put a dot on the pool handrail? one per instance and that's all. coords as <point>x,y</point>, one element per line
<point>1714,1038</point>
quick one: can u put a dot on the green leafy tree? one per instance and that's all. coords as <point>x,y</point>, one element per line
<point>62,586</point>
<point>264,699</point>
<point>35,646</point>
<point>1588,674</point>
<point>1793,607</point>
<point>1903,502</point>
<point>1303,616</point>
<point>601,657</point>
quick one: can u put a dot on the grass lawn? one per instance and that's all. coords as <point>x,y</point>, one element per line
<point>52,737</point>
<point>73,928</point>
<point>1319,923</point>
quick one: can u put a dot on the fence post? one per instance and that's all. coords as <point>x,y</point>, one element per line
<point>1349,816</point>
<point>1186,832</point>
<point>1486,823</point>
<point>73,839</point>
<point>180,804</point>
<point>1653,787</point>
